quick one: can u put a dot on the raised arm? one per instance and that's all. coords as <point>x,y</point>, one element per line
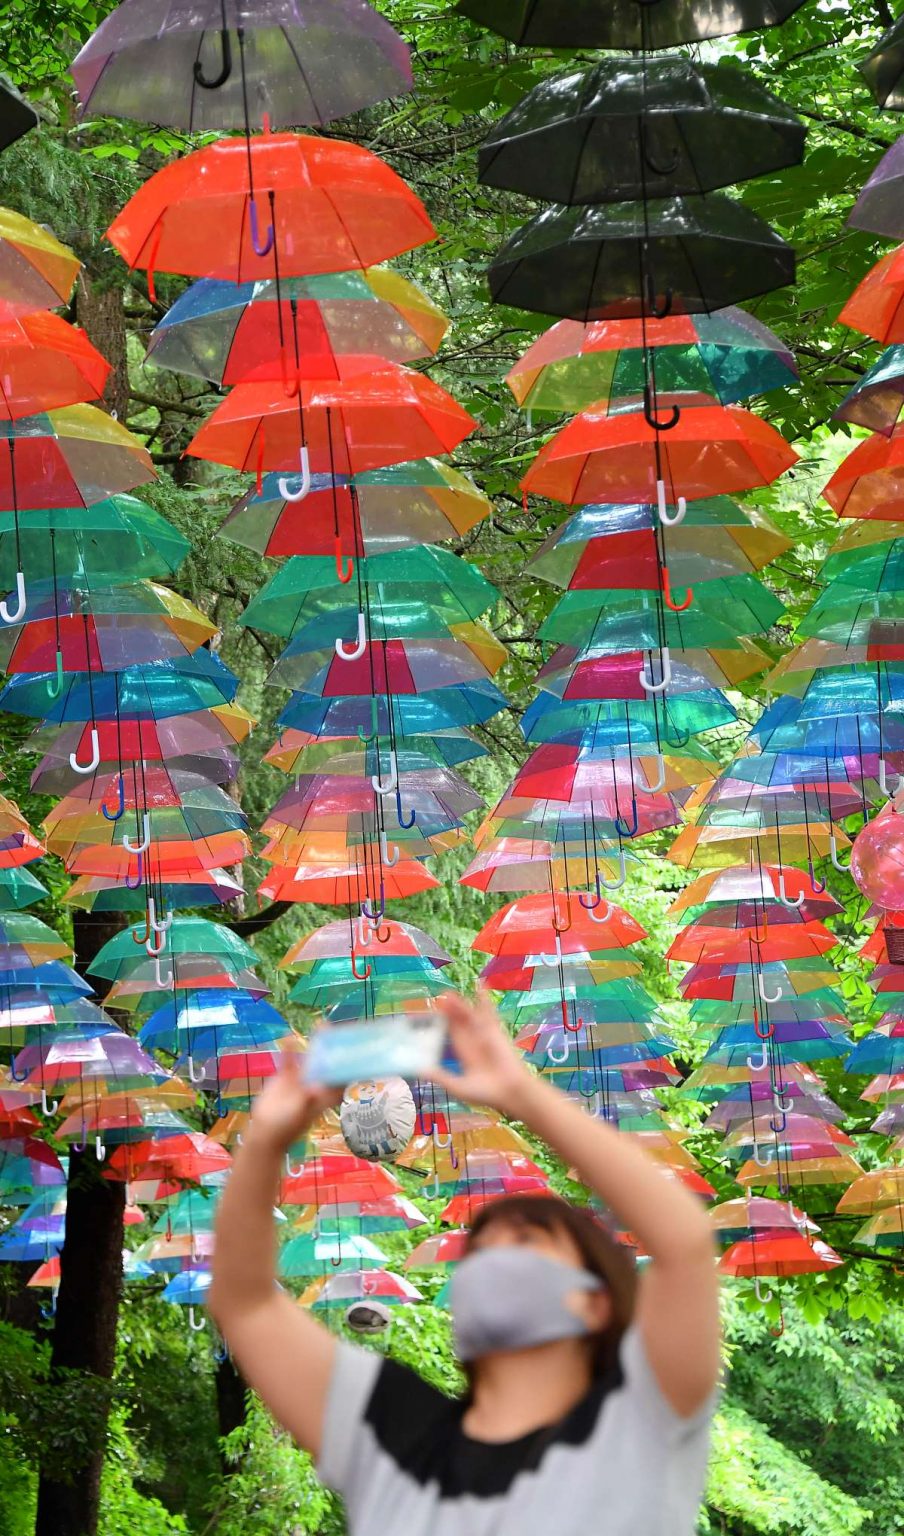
<point>281,1351</point>
<point>678,1303</point>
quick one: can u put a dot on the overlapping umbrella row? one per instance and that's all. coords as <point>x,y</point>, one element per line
<point>386,657</point>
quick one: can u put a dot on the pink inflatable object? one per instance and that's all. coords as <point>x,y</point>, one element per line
<point>877,860</point>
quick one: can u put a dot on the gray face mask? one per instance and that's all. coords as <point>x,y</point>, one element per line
<point>509,1298</point>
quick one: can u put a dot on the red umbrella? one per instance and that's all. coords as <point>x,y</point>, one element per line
<point>375,413</point>
<point>44,362</point>
<point>870,481</point>
<point>269,206</point>
<point>876,306</point>
<point>534,922</point>
<point>622,458</point>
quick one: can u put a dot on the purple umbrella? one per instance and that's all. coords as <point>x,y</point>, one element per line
<point>203,65</point>
<point>880,206</point>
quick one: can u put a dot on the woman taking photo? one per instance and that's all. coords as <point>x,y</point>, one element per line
<point>590,1388</point>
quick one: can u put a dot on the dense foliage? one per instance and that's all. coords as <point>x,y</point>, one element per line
<point>808,1440</point>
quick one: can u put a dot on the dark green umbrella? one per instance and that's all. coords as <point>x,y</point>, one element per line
<point>623,23</point>
<point>16,116</point>
<point>676,254</point>
<point>884,68</point>
<point>640,128</point>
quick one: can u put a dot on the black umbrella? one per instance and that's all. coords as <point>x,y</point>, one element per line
<point>635,128</point>
<point>884,68</point>
<point>16,116</point>
<point>623,23</point>
<point>623,259</point>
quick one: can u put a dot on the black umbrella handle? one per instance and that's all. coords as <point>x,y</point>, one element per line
<point>225,67</point>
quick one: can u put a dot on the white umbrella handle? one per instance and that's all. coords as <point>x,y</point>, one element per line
<point>665,518</point>
<point>359,646</point>
<point>94,762</point>
<point>15,615</point>
<point>282,483</point>
<point>145,843</point>
<point>665,666</point>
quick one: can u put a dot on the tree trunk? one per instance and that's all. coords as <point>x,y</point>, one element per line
<point>231,1404</point>
<point>84,1334</point>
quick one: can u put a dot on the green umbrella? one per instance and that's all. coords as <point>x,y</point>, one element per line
<point>117,538</point>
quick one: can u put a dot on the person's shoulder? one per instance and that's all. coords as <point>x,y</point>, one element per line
<point>405,1412</point>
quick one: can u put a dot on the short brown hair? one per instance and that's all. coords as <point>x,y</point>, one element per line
<point>600,1254</point>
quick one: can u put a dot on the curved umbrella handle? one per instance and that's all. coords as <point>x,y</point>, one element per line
<point>142,938</point>
<point>783,1105</point>
<point>132,885</point>
<point>389,785</point>
<point>55,685</point>
<point>652,419</point>
<point>94,762</point>
<point>48,1106</point>
<point>666,518</point>
<point>159,978</point>
<point>576,1027</point>
<point>763,1295</point>
<point>594,901</point>
<point>196,1326</point>
<point>291,1171</point>
<point>768,997</point>
<point>778,1126</point>
<point>622,827</point>
<point>763,1162</point>
<point>360,645</point>
<point>145,843</point>
<point>389,861</point>
<point>833,855</point>
<point>15,615</point>
<point>368,911</point>
<point>603,916</point>
<point>158,927</point>
<point>758,1064</point>
<point>193,1075</point>
<point>100,1150</point>
<point>225,65</point>
<point>366,737</point>
<point>120,802</point>
<point>282,483</point>
<point>654,789</point>
<point>345,565</point>
<point>669,599</point>
<point>784,898</point>
<point>365,926</point>
<point>818,885</point>
<point>559,1058</point>
<point>155,943</point>
<point>361,975</point>
<point>657,310</point>
<point>556,959</point>
<point>883,781</point>
<point>441,1142</point>
<point>404,822</point>
<point>616,885</point>
<point>665,666</point>
<point>261,247</point>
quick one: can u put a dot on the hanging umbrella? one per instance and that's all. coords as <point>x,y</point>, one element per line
<point>623,23</point>
<point>105,541</point>
<point>374,414</point>
<point>331,205</point>
<point>422,502</point>
<point>598,457</point>
<point>101,629</point>
<point>45,362</point>
<point>877,399</point>
<point>255,332</point>
<point>36,271</point>
<point>17,116</point>
<point>208,65</point>
<point>877,209</point>
<point>876,306</point>
<point>870,481</point>
<point>884,66</point>
<point>630,258</point>
<point>728,355</point>
<point>640,128</point>
<point>64,458</point>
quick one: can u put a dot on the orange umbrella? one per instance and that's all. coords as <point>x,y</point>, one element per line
<point>870,481</point>
<point>343,885</point>
<point>622,458</point>
<point>876,306</point>
<point>375,413</point>
<point>269,206</point>
<point>44,363</point>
